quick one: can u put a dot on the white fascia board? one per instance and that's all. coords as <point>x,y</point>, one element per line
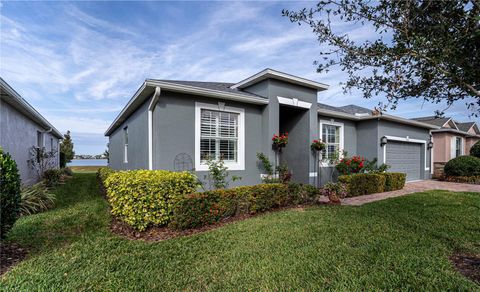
<point>269,73</point>
<point>329,113</point>
<point>295,102</point>
<point>207,92</point>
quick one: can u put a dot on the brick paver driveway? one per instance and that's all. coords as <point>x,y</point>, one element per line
<point>412,187</point>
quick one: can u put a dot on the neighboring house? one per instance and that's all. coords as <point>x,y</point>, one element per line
<point>174,125</point>
<point>21,129</point>
<point>453,139</point>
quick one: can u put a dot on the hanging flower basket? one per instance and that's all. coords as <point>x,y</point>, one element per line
<point>280,141</point>
<point>318,145</point>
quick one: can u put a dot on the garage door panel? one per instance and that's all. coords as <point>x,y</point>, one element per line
<point>404,157</point>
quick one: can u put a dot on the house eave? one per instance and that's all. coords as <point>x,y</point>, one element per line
<point>453,131</point>
<point>149,84</point>
<point>269,73</point>
<point>400,120</point>
<point>25,108</point>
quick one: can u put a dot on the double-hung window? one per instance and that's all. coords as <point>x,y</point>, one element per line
<point>219,135</point>
<point>458,146</point>
<point>331,134</point>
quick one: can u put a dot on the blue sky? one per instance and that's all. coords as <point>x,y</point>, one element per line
<point>78,63</point>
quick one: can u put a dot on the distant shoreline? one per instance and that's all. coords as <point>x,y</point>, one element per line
<point>88,162</point>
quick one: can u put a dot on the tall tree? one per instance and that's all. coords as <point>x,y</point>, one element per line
<point>66,147</point>
<point>426,49</point>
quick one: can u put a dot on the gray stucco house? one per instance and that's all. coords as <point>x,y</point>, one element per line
<point>21,128</point>
<point>167,119</point>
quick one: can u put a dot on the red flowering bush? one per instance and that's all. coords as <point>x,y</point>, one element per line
<point>318,145</point>
<point>351,165</point>
<point>280,140</point>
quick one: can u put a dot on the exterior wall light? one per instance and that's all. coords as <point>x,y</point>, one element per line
<point>430,144</point>
<point>383,141</point>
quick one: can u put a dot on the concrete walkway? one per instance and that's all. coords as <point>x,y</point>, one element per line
<point>412,187</point>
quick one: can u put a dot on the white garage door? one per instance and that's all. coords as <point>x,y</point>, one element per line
<point>406,158</point>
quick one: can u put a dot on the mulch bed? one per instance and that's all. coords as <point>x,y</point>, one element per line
<point>163,233</point>
<point>468,265</point>
<point>10,255</point>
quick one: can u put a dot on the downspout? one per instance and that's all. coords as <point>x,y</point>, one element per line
<point>151,107</point>
<point>431,152</point>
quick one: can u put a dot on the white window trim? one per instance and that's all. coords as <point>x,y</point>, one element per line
<point>408,140</point>
<point>125,145</point>
<point>294,102</point>
<point>240,164</point>
<point>341,147</point>
<point>453,145</point>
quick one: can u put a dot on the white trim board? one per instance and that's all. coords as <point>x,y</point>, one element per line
<point>240,164</point>
<point>294,102</point>
<point>406,139</point>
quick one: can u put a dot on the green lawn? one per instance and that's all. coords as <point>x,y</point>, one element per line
<point>397,244</point>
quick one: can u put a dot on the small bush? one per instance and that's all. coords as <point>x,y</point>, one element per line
<point>464,179</point>
<point>51,177</point>
<point>147,197</point>
<point>66,171</point>
<point>103,173</point>
<point>199,209</point>
<point>334,191</point>
<point>475,150</point>
<point>303,194</point>
<point>363,183</point>
<point>9,193</point>
<point>463,166</point>
<point>36,199</point>
<point>394,181</point>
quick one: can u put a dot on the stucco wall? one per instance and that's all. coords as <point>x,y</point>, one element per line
<point>368,143</point>
<point>441,147</point>
<point>174,133</point>
<point>18,134</point>
<point>137,141</point>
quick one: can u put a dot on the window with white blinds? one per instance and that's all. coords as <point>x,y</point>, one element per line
<point>219,135</point>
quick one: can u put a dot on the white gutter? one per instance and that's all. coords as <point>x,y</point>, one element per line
<point>151,107</point>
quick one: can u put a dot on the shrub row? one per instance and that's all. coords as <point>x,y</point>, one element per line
<point>474,179</point>
<point>369,183</point>
<point>146,197</point>
<point>199,209</point>
<point>103,173</point>
<point>463,166</point>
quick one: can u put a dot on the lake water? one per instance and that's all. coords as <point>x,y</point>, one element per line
<point>88,162</point>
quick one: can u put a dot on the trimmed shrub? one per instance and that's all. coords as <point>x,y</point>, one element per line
<point>52,177</point>
<point>9,193</point>
<point>199,209</point>
<point>464,179</point>
<point>147,197</point>
<point>394,181</point>
<point>36,199</point>
<point>475,150</point>
<point>103,173</point>
<point>66,171</point>
<point>303,194</point>
<point>363,183</point>
<point>463,166</point>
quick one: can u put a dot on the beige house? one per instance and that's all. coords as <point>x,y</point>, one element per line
<point>453,139</point>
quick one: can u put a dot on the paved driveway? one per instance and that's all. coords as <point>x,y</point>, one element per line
<point>412,187</point>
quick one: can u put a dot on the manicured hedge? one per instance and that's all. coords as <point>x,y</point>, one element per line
<point>475,150</point>
<point>9,193</point>
<point>199,209</point>
<point>146,197</point>
<point>464,179</point>
<point>394,181</point>
<point>363,183</point>
<point>103,173</point>
<point>463,166</point>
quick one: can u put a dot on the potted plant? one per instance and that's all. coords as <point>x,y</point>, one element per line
<point>280,141</point>
<point>318,145</point>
